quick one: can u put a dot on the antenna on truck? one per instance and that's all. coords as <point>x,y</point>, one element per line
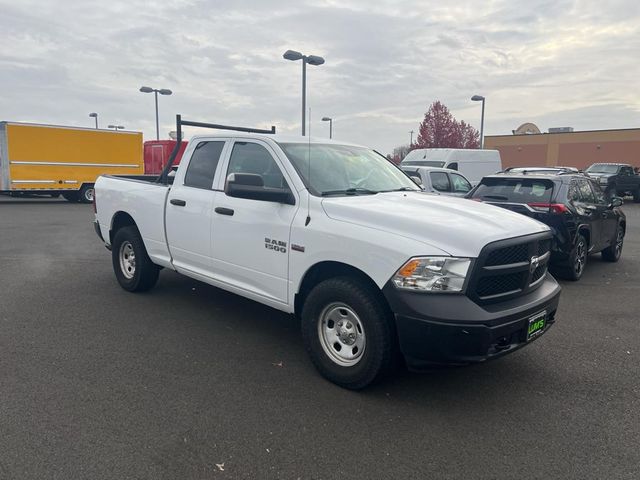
<point>179,122</point>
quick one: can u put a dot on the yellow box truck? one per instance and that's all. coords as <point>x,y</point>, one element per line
<point>55,160</point>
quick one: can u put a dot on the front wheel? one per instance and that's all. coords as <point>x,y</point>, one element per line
<point>636,195</point>
<point>134,269</point>
<point>613,252</point>
<point>348,332</point>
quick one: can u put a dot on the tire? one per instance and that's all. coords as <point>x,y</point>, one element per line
<point>134,269</point>
<point>71,196</point>
<point>636,195</point>
<point>354,354</point>
<point>86,193</point>
<point>612,192</point>
<point>577,260</point>
<point>613,252</point>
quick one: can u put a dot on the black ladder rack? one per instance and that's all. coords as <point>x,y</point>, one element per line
<point>180,122</point>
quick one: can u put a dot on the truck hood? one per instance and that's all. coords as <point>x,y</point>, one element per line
<point>601,175</point>
<point>456,226</point>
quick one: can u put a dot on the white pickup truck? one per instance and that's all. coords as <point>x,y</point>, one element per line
<point>339,236</point>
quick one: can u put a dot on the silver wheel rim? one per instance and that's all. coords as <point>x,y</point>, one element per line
<point>341,334</point>
<point>127,260</point>
<point>619,241</point>
<point>88,194</point>
<point>581,258</point>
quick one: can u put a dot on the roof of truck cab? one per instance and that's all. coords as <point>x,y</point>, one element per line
<point>278,138</point>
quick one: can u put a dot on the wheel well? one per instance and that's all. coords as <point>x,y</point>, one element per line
<point>586,233</point>
<point>325,270</point>
<point>120,219</point>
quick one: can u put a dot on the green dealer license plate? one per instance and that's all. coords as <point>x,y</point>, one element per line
<point>536,325</point>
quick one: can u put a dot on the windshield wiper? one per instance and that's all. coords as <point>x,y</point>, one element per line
<point>401,189</point>
<point>350,191</point>
<point>495,197</point>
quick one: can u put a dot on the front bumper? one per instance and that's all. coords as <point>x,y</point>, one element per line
<point>451,329</point>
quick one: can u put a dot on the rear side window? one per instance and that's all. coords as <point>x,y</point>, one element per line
<point>203,164</point>
<point>453,166</point>
<point>515,190</point>
<point>439,181</point>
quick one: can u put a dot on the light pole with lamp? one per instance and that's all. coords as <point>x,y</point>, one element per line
<point>410,137</point>
<point>116,127</point>
<point>162,91</point>
<point>95,116</point>
<point>330,120</point>
<point>480,98</point>
<point>311,60</point>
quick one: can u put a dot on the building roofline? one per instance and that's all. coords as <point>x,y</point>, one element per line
<point>564,133</point>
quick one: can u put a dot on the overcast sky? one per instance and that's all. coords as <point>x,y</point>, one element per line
<point>554,63</point>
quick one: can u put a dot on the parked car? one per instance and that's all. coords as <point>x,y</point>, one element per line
<point>440,180</point>
<point>339,236</point>
<point>472,163</point>
<point>616,179</point>
<point>582,219</point>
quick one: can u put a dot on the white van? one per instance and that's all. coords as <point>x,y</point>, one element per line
<point>472,163</point>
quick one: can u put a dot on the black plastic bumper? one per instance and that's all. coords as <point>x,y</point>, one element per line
<point>96,226</point>
<point>450,329</point>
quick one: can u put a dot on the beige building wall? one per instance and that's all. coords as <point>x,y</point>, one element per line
<point>574,149</point>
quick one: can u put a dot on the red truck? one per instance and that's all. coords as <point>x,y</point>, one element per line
<point>156,155</point>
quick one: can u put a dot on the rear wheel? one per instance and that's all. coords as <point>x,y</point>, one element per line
<point>86,193</point>
<point>134,269</point>
<point>577,260</point>
<point>348,332</point>
<point>613,252</point>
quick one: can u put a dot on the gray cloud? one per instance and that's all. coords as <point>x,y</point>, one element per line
<point>550,62</point>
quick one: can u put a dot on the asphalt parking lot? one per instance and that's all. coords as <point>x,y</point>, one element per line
<point>188,381</point>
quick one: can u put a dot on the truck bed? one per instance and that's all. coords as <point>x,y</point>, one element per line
<point>141,198</point>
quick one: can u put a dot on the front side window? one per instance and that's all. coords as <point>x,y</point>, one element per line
<point>203,164</point>
<point>626,171</point>
<point>439,181</point>
<point>247,157</point>
<point>329,169</point>
<point>460,184</point>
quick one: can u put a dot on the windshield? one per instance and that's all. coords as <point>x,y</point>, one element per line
<point>422,163</point>
<point>346,170</point>
<point>602,168</point>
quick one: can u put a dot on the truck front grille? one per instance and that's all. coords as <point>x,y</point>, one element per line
<point>509,268</point>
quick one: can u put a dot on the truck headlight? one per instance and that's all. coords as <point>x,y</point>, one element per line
<point>603,180</point>
<point>433,274</point>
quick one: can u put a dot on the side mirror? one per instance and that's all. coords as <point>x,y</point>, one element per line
<point>416,179</point>
<point>616,202</point>
<point>251,186</point>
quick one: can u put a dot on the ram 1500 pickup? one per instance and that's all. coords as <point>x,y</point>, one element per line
<point>342,238</point>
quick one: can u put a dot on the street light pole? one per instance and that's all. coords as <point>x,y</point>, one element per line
<point>161,91</point>
<point>312,60</point>
<point>410,137</point>
<point>94,115</point>
<point>330,120</point>
<point>480,98</point>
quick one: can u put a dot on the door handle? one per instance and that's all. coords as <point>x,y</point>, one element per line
<point>224,211</point>
<point>177,202</point>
